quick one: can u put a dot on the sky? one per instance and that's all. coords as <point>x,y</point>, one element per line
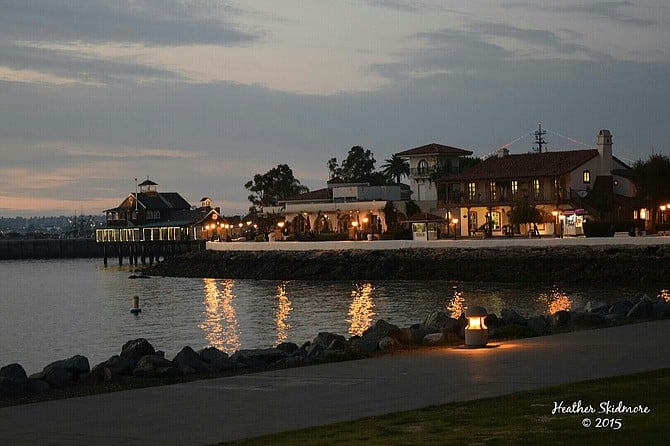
<point>202,95</point>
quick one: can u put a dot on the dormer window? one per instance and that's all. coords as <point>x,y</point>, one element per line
<point>586,177</point>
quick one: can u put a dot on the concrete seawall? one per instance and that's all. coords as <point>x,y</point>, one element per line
<point>586,261</point>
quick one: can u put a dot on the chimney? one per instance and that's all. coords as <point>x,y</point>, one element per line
<point>605,152</point>
<point>503,152</point>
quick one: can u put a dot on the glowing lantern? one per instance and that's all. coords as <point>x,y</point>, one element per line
<point>476,332</point>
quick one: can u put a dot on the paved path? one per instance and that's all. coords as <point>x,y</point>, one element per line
<point>207,412</point>
<point>467,243</point>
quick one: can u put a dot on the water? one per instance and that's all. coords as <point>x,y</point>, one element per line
<point>53,309</point>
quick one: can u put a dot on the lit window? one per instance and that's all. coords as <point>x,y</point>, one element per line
<point>536,188</point>
<point>586,175</point>
<point>472,190</point>
<point>495,219</point>
<point>492,186</point>
<point>515,187</point>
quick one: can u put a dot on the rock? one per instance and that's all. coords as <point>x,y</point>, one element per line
<point>134,350</point>
<point>640,310</point>
<point>74,366</point>
<point>560,318</point>
<point>113,367</point>
<point>435,321</point>
<point>620,308</point>
<point>596,306</point>
<point>590,319</point>
<point>432,339</point>
<point>491,320</point>
<point>452,325</point>
<point>14,372</point>
<point>537,324</point>
<point>37,385</point>
<point>512,317</point>
<point>338,344</point>
<point>324,339</point>
<point>188,362</point>
<point>288,347</point>
<point>389,344</point>
<point>661,309</point>
<point>259,357</point>
<point>218,359</point>
<point>12,389</point>
<point>154,365</point>
<point>57,378</point>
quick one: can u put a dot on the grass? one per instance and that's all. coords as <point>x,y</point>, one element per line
<point>521,418</point>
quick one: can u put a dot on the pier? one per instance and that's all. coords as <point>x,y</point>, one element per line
<point>136,252</point>
<point>148,251</point>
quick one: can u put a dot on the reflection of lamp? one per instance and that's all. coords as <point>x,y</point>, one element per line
<point>476,332</point>
<point>455,222</point>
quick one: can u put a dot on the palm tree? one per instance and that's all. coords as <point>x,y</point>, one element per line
<point>396,168</point>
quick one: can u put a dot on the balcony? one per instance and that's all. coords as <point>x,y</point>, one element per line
<point>501,199</point>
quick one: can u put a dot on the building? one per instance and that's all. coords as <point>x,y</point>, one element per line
<point>564,186</point>
<point>150,215</point>
<point>349,209</point>
<point>427,164</point>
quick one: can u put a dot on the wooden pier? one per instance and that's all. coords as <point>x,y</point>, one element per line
<point>148,251</point>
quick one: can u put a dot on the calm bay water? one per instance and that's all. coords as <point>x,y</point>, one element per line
<point>54,309</point>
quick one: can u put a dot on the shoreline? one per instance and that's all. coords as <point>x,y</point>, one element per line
<point>550,262</point>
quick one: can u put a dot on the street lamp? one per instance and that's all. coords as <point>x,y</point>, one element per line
<point>476,332</point>
<point>455,222</point>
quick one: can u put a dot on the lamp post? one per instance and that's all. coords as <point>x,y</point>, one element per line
<point>555,214</point>
<point>476,332</point>
<point>455,222</point>
<point>354,228</point>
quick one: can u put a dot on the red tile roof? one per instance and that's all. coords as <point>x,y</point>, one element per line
<point>434,149</point>
<point>528,165</point>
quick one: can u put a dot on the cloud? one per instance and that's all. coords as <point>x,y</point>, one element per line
<point>619,11</point>
<point>165,22</point>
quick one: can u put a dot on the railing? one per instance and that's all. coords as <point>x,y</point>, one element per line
<point>459,198</point>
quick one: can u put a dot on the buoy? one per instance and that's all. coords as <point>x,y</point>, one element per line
<point>136,305</point>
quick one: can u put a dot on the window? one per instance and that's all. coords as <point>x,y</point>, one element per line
<point>492,188</point>
<point>536,188</point>
<point>422,168</point>
<point>472,191</point>
<point>473,221</point>
<point>495,219</point>
<point>586,176</point>
<point>515,188</point>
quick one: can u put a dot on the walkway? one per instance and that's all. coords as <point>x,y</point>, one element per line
<point>207,412</point>
<point>496,242</point>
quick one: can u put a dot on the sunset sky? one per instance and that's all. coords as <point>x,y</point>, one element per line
<point>201,95</point>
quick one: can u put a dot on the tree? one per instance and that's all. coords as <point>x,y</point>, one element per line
<point>276,183</point>
<point>523,213</point>
<point>358,167</point>
<point>411,208</point>
<point>395,168</point>
<point>652,181</point>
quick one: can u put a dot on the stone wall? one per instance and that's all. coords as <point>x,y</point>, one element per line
<point>573,264</point>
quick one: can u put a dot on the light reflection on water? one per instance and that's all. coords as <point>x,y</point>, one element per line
<point>220,324</point>
<point>361,308</point>
<point>282,313</point>
<point>51,310</point>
